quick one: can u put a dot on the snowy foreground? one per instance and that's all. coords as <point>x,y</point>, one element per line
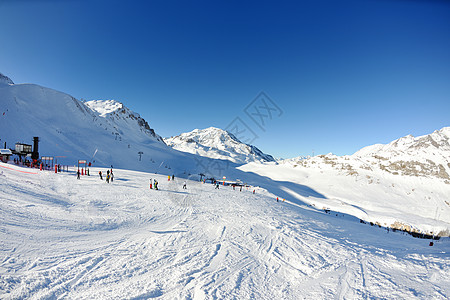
<point>86,239</point>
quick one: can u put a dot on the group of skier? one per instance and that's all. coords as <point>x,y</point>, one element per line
<point>109,175</point>
<point>153,184</point>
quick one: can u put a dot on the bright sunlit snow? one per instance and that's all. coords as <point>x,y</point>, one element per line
<point>86,239</point>
<point>335,231</point>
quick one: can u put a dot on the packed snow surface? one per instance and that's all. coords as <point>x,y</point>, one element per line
<point>77,239</point>
<point>86,239</point>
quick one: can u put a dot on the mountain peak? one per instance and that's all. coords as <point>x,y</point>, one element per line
<point>5,79</point>
<point>425,144</point>
<point>121,116</point>
<point>104,107</point>
<point>217,143</point>
<point>214,132</point>
<point>426,155</point>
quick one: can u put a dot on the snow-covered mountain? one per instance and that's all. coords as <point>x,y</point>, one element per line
<point>217,143</point>
<point>423,156</point>
<point>5,79</point>
<point>289,235</point>
<point>122,118</point>
<point>106,132</point>
<point>427,155</point>
<point>404,184</point>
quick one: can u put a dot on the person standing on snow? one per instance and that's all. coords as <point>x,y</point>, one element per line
<point>184,185</point>
<point>217,186</point>
<point>107,176</point>
<point>78,174</point>
<point>111,176</point>
<point>100,174</point>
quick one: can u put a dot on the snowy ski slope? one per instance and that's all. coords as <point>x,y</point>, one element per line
<point>86,239</point>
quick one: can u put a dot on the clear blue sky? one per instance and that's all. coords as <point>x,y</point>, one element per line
<point>346,74</point>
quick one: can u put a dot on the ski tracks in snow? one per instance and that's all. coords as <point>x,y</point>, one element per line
<point>124,241</point>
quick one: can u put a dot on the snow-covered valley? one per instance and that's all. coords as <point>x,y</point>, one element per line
<point>86,239</point>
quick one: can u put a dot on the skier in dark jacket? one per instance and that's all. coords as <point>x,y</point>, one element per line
<point>100,174</point>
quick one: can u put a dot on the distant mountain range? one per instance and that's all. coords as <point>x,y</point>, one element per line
<point>108,133</point>
<point>423,156</point>
<point>409,176</point>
